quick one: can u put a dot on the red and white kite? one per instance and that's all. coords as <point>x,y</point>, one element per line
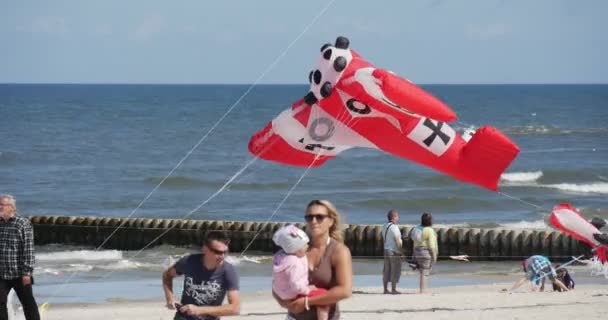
<point>350,105</point>
<point>568,220</point>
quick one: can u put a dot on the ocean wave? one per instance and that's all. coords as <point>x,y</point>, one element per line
<point>551,130</point>
<point>240,260</point>
<point>129,265</point>
<point>439,203</point>
<point>180,182</point>
<point>539,224</point>
<point>79,255</point>
<point>522,176</point>
<point>595,187</point>
<point>591,187</point>
<point>557,150</point>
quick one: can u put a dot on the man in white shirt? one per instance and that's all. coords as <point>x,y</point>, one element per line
<point>392,252</point>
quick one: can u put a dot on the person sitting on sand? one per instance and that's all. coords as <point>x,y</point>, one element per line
<point>564,276</point>
<point>537,268</point>
<point>290,268</point>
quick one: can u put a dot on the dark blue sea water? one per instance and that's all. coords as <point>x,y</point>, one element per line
<point>101,149</point>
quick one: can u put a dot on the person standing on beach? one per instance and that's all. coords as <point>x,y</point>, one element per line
<point>330,264</point>
<point>392,252</point>
<point>16,259</point>
<point>425,248</point>
<point>207,280</point>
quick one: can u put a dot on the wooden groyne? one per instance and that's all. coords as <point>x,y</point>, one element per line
<point>363,240</point>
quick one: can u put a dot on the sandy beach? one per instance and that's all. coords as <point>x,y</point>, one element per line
<point>463,302</point>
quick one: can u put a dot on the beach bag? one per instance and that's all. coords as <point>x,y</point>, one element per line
<point>416,234</point>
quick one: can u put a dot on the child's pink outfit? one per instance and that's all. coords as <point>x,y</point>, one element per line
<point>289,275</point>
<point>290,272</point>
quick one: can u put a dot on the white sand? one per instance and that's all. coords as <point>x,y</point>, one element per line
<point>468,302</point>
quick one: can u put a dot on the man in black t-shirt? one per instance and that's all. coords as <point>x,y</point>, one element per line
<point>207,280</point>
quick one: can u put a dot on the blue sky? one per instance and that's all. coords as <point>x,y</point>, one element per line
<point>230,41</point>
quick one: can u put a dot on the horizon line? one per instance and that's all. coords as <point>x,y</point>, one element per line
<point>291,84</point>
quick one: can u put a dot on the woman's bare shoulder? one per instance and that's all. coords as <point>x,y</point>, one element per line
<point>341,251</point>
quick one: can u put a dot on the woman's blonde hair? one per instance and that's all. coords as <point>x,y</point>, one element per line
<point>335,231</point>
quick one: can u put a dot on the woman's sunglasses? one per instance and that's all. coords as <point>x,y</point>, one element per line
<point>318,217</point>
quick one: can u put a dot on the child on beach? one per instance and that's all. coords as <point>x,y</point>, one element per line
<point>565,278</point>
<point>290,268</point>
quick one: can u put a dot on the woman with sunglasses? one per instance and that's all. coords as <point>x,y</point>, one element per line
<point>330,265</point>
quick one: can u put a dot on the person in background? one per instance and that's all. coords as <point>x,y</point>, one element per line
<point>207,280</point>
<point>16,259</point>
<point>425,248</point>
<point>392,252</point>
<point>537,269</point>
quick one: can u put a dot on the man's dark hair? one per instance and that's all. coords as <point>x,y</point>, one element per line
<point>426,220</point>
<point>391,213</point>
<point>216,236</point>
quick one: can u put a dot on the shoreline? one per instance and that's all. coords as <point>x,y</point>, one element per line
<point>98,287</point>
<point>455,302</point>
<point>149,289</point>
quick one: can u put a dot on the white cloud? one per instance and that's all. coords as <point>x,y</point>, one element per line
<point>149,27</point>
<point>492,31</point>
<point>46,25</point>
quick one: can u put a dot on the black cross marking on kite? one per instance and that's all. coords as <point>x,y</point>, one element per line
<point>312,147</point>
<point>436,133</point>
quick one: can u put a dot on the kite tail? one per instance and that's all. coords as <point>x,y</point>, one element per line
<point>488,154</point>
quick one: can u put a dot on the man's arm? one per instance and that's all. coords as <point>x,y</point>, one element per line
<point>168,276</point>
<point>28,253</point>
<point>233,307</point>
<point>432,241</point>
<point>398,240</point>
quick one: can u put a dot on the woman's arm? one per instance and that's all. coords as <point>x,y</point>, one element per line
<point>519,283</point>
<point>282,303</point>
<point>432,242</point>
<point>342,263</point>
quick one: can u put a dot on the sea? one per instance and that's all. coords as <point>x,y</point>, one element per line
<point>180,151</point>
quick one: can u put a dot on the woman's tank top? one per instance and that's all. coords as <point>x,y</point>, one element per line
<point>322,276</point>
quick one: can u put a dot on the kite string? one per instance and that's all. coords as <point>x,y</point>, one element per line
<point>222,188</point>
<point>280,204</point>
<point>523,201</point>
<point>204,137</point>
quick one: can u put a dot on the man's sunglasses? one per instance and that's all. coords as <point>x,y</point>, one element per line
<point>318,217</point>
<point>218,252</point>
